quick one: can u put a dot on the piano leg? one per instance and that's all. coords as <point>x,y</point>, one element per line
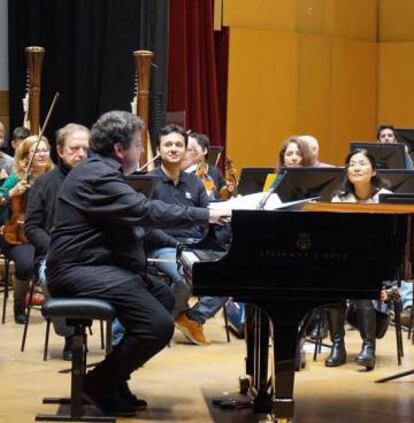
<point>285,340</point>
<point>262,399</point>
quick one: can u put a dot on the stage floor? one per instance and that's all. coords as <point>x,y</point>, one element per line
<point>180,383</point>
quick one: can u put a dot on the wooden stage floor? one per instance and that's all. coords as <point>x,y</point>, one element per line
<point>181,381</point>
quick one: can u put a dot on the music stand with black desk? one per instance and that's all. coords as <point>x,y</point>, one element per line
<point>252,179</point>
<point>399,181</point>
<point>387,156</point>
<point>308,182</point>
<point>142,182</point>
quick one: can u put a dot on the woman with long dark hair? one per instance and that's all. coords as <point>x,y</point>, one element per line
<point>361,185</point>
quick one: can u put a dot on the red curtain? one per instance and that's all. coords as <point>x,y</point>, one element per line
<point>197,68</point>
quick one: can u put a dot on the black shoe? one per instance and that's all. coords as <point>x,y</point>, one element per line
<point>125,393</point>
<point>366,357</point>
<point>67,349</point>
<point>19,314</point>
<point>107,400</point>
<point>337,357</point>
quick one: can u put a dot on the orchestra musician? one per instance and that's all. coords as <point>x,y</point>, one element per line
<point>20,133</point>
<point>313,145</point>
<point>294,152</point>
<point>14,187</point>
<point>72,144</point>
<point>362,185</point>
<point>6,161</point>
<point>96,250</point>
<point>196,161</point>
<point>184,189</point>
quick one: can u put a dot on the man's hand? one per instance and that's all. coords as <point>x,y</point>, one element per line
<point>219,217</point>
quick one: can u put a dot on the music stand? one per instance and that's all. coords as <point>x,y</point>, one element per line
<point>399,181</point>
<point>406,136</point>
<point>252,179</point>
<point>399,198</point>
<point>387,156</point>
<point>145,184</point>
<point>214,155</point>
<point>308,182</point>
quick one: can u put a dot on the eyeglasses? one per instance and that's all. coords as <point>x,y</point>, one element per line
<point>40,151</point>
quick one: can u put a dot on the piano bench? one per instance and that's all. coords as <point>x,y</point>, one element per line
<point>79,313</point>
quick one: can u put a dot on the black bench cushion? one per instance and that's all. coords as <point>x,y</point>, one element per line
<point>78,308</point>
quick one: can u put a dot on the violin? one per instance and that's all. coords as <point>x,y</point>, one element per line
<point>206,179</point>
<point>232,180</point>
<point>13,231</point>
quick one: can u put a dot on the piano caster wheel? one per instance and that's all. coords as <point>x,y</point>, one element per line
<point>244,384</point>
<point>271,418</point>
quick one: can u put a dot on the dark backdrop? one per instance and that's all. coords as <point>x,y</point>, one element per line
<point>89,45</point>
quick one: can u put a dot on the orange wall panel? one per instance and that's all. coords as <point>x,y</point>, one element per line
<point>262,95</point>
<point>396,19</point>
<point>260,14</point>
<point>314,99</point>
<point>396,84</point>
<point>353,94</point>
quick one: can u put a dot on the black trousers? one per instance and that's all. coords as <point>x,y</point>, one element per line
<point>142,303</point>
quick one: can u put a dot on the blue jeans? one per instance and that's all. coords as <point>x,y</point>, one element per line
<point>59,323</point>
<point>406,293</point>
<point>205,308</point>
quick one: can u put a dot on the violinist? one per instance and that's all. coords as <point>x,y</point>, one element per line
<point>72,144</point>
<point>196,161</point>
<point>12,192</point>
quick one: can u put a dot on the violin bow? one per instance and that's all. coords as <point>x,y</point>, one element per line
<point>49,113</point>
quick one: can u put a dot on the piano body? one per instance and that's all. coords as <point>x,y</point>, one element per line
<point>286,263</point>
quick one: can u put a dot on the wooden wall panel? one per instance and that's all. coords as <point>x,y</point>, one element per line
<point>314,99</point>
<point>262,94</point>
<point>396,18</point>
<point>4,107</point>
<point>260,14</point>
<point>396,84</point>
<point>354,96</point>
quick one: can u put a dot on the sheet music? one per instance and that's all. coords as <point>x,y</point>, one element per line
<point>252,201</point>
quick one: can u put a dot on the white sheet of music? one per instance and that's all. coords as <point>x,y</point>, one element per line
<point>253,201</point>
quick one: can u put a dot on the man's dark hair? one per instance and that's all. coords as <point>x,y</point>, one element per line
<point>20,133</point>
<point>380,128</point>
<point>202,140</point>
<point>113,127</point>
<point>172,128</point>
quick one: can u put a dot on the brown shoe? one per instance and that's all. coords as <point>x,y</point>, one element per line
<point>191,329</point>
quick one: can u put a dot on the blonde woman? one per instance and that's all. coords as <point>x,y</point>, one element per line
<point>15,185</point>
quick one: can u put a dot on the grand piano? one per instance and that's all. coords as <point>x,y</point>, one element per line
<point>285,263</point>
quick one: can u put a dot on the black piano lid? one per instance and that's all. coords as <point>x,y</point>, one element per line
<point>288,254</point>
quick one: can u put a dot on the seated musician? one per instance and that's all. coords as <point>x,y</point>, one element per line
<point>185,189</point>
<point>96,250</point>
<point>386,135</point>
<point>15,186</point>
<point>72,144</point>
<point>196,161</point>
<point>362,185</point>
<point>20,133</point>
<point>294,152</point>
<point>313,145</point>
<point>6,161</point>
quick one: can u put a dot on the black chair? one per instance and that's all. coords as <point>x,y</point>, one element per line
<point>79,313</point>
<point>35,286</point>
<point>6,287</point>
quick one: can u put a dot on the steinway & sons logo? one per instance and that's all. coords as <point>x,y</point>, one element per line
<point>303,250</point>
<point>303,242</point>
